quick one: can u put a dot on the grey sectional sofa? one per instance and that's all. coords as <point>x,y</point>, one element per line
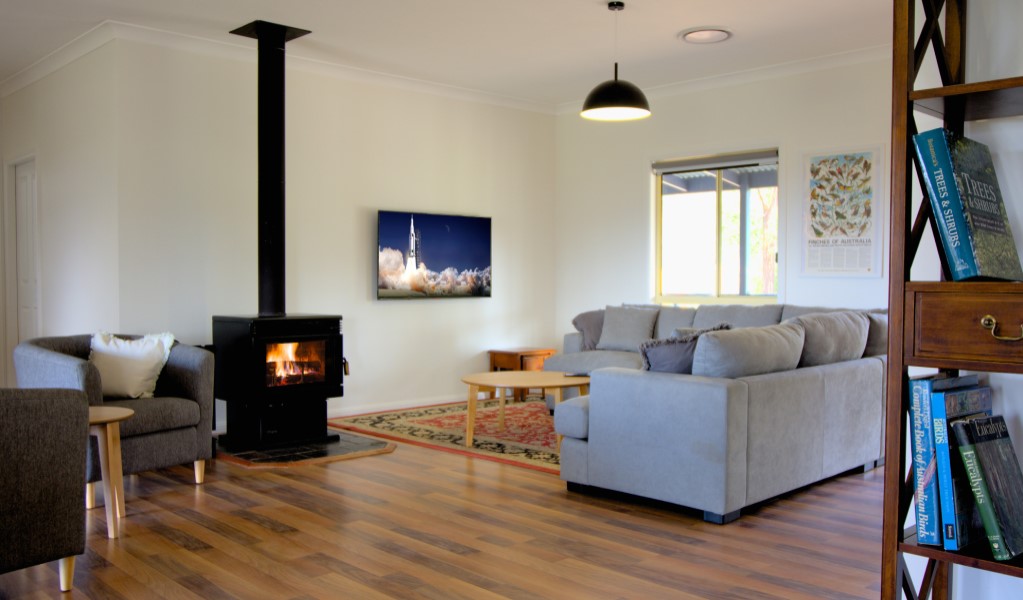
<point>787,397</point>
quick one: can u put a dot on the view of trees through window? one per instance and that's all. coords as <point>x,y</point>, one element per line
<point>718,232</point>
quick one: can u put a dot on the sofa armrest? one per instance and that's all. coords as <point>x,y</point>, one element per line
<point>677,438</point>
<point>573,342</point>
<point>189,374</point>
<point>39,367</point>
<point>43,437</point>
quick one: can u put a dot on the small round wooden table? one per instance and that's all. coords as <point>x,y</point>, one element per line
<point>105,424</point>
<point>553,381</point>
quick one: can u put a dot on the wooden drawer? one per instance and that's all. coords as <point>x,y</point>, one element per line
<point>943,325</point>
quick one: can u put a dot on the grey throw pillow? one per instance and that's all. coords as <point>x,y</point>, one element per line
<point>877,335</point>
<point>674,354</point>
<point>832,337</point>
<point>625,328</point>
<point>748,351</point>
<point>589,324</point>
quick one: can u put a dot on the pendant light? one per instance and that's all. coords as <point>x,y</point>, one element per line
<point>615,99</point>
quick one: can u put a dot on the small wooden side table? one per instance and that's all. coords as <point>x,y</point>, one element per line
<point>519,359</point>
<point>105,424</point>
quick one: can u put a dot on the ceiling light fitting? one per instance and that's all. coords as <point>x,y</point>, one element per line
<point>615,99</point>
<point>704,35</point>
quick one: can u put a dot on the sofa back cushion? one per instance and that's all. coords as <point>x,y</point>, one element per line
<point>877,335</point>
<point>748,351</point>
<point>671,318</point>
<point>739,315</point>
<point>626,327</point>
<point>832,337</point>
<point>589,324</point>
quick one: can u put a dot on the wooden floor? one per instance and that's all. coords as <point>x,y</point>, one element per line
<point>419,523</point>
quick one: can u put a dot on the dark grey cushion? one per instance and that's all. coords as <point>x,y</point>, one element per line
<point>625,328</point>
<point>589,323</point>
<point>674,354</point>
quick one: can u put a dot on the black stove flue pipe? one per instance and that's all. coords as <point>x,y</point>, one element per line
<point>271,38</point>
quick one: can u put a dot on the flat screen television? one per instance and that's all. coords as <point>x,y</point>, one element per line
<point>424,255</point>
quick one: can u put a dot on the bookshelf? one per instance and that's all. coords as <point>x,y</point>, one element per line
<point>936,324</point>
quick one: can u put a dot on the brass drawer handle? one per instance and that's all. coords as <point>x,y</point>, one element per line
<point>989,322</point>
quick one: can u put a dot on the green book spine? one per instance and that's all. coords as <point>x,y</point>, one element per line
<point>980,491</point>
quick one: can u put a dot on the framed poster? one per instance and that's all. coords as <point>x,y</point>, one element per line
<point>843,214</point>
<point>422,255</point>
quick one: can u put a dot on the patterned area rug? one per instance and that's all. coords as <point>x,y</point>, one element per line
<point>527,440</point>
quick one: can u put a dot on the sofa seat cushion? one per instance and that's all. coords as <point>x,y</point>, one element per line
<point>157,414</point>
<point>572,418</point>
<point>588,360</point>
<point>748,351</point>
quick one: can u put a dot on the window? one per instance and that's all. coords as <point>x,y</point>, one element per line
<point>717,228</point>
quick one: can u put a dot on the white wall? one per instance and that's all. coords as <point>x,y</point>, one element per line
<point>605,213</point>
<point>147,171</point>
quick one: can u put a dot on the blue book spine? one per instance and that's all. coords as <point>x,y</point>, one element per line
<point>956,506</point>
<point>925,483</point>
<point>935,158</point>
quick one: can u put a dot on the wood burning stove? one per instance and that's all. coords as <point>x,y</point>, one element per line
<point>275,370</point>
<point>276,373</point>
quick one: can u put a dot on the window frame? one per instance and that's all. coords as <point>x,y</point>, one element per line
<point>763,157</point>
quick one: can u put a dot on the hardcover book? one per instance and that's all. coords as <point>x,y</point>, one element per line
<point>995,479</point>
<point>928,517</point>
<point>968,207</point>
<point>960,521</point>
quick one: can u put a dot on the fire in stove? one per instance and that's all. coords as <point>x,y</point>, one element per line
<point>295,363</point>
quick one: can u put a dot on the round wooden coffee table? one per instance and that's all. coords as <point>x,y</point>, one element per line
<point>552,381</point>
<point>105,424</point>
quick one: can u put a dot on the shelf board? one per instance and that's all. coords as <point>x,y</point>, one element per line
<point>977,556</point>
<point>983,100</point>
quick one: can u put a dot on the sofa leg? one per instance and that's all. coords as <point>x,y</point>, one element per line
<point>90,495</point>
<point>200,471</point>
<point>712,517</point>
<point>67,572</point>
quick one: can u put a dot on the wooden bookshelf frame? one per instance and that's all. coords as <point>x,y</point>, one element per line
<point>910,344</point>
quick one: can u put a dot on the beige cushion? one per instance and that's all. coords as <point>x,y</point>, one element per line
<point>833,337</point>
<point>130,368</point>
<point>625,328</point>
<point>748,351</point>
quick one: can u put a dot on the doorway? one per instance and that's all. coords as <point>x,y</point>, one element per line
<point>22,294</point>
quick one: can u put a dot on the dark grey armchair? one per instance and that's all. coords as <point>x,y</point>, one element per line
<point>43,437</point>
<point>174,427</point>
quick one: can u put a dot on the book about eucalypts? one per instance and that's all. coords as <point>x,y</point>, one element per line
<point>968,208</point>
<point>995,479</point>
<point>960,521</point>
<point>928,511</point>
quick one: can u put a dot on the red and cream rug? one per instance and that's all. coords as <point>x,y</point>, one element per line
<point>527,439</point>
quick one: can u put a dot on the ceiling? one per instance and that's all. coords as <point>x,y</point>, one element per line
<point>544,52</point>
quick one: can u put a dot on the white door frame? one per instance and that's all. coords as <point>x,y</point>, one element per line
<point>9,264</point>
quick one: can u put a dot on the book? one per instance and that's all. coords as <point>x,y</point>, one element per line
<point>995,480</point>
<point>960,522</point>
<point>968,208</point>
<point>928,518</point>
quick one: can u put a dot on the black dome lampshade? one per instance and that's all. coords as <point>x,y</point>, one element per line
<point>615,100</point>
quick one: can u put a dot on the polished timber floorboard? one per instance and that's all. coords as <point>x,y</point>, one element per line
<point>419,523</point>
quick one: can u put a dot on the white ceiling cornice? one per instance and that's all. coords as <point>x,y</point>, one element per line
<point>114,30</point>
<point>244,51</point>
